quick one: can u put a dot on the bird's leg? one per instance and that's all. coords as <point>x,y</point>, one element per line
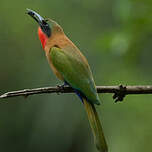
<point>61,86</point>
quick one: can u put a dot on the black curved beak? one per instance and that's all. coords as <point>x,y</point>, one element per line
<point>35,16</point>
<point>41,21</point>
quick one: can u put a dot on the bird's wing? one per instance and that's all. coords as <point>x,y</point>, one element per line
<point>74,68</point>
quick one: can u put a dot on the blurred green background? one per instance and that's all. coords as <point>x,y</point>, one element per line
<point>116,38</point>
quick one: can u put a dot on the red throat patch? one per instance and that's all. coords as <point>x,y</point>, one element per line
<point>43,38</point>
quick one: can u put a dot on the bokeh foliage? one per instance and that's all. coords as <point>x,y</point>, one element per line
<point>115,36</point>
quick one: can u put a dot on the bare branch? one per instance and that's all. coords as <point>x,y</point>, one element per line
<point>119,91</point>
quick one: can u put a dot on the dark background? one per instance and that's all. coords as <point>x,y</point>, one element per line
<point>116,38</point>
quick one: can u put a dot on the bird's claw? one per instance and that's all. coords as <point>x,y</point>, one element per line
<point>61,88</point>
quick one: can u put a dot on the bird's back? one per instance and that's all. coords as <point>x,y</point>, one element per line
<point>74,68</point>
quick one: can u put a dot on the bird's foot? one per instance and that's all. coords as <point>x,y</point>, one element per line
<point>120,93</point>
<point>62,87</point>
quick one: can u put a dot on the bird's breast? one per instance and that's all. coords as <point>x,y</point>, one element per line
<point>60,41</point>
<point>55,71</point>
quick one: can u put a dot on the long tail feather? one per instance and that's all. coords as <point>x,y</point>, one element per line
<point>95,126</point>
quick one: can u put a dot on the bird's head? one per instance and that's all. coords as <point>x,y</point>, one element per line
<point>47,27</point>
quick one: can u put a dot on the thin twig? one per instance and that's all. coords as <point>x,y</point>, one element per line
<point>119,91</point>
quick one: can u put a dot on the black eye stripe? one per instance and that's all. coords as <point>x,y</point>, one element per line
<point>46,28</point>
<point>44,22</point>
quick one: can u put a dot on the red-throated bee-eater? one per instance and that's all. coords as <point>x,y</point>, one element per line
<point>70,66</point>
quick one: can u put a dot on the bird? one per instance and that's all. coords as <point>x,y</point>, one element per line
<point>71,66</point>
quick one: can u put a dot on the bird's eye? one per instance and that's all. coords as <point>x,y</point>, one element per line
<point>44,22</point>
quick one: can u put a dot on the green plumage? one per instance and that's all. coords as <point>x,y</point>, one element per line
<point>96,127</point>
<point>75,69</point>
